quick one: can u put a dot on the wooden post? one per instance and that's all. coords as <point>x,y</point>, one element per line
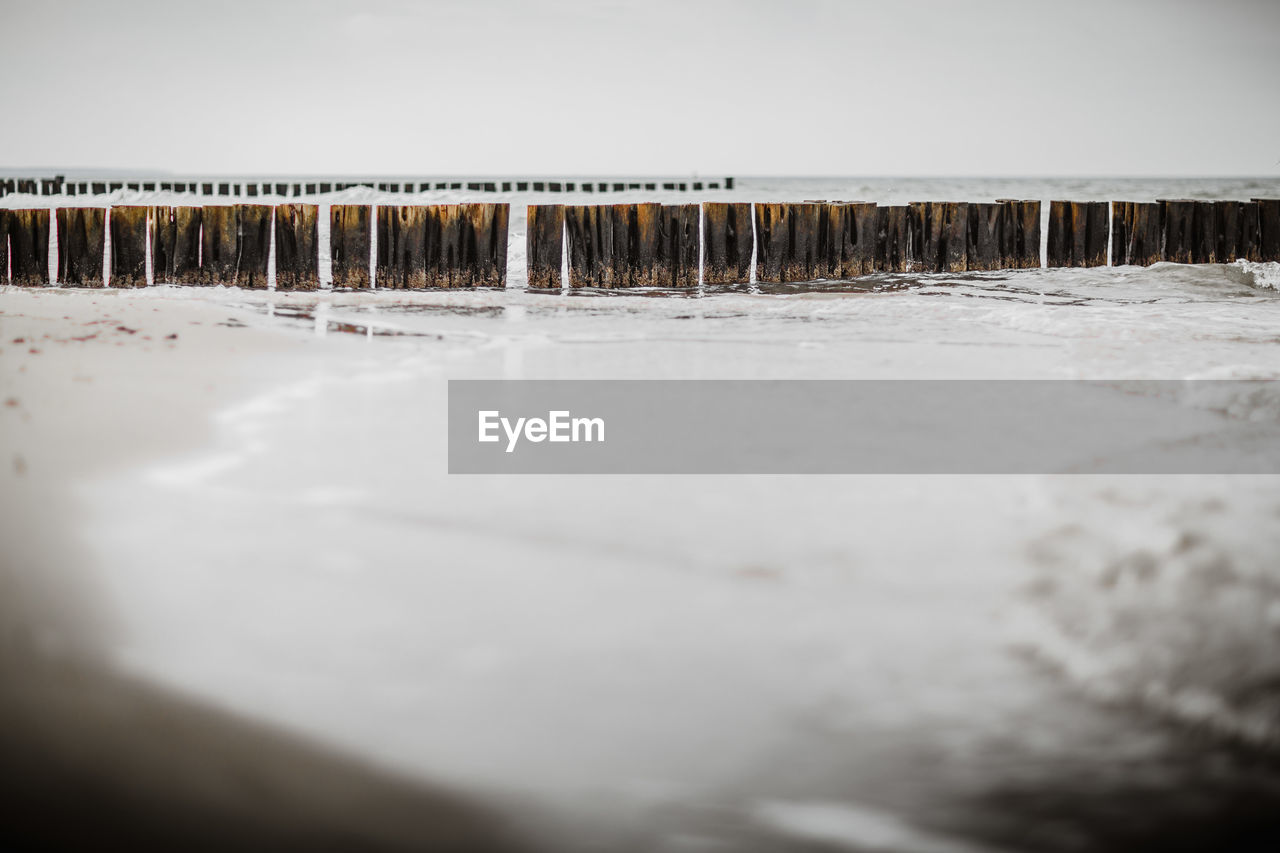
<point>402,247</point>
<point>483,256</point>
<point>584,263</point>
<point>186,245</point>
<point>680,246</point>
<point>1022,233</point>
<point>29,246</point>
<point>648,265</point>
<point>220,244</point>
<point>985,243</point>
<point>774,242</point>
<point>1179,220</point>
<point>349,245</point>
<point>939,232</point>
<point>1204,233</point>
<point>297,242</point>
<point>81,237</point>
<point>729,241</point>
<point>858,239</point>
<point>4,245</point>
<point>1268,229</point>
<point>828,258</point>
<point>544,245</point>
<point>1247,242</point>
<point>1078,233</point>
<point>164,233</point>
<point>1227,220</point>
<point>893,239</point>
<point>254,221</point>
<point>1137,233</point>
<point>129,246</point>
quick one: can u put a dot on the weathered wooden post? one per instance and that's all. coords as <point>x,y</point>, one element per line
<point>349,247</point>
<point>485,261</point>
<point>858,239</point>
<point>1227,220</point>
<point>186,245</point>
<point>1204,233</point>
<point>1179,235</point>
<point>584,263</point>
<point>1268,228</point>
<point>729,241</point>
<point>29,246</point>
<point>1021,239</point>
<point>220,244</point>
<point>771,240</point>
<point>939,231</point>
<point>297,242</point>
<point>893,239</point>
<point>680,227</point>
<point>163,231</point>
<point>402,248</point>
<point>129,246</point>
<point>1247,243</point>
<point>544,244</point>
<point>4,245</point>
<point>1078,233</point>
<point>254,221</point>
<point>985,241</point>
<point>648,262</point>
<point>81,237</point>
<point>829,246</point>
<point>1137,233</point>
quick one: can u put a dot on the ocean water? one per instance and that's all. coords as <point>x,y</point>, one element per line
<point>741,663</point>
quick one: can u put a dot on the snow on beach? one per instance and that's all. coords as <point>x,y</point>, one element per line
<point>678,663</point>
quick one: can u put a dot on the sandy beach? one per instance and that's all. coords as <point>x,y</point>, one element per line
<point>244,581</point>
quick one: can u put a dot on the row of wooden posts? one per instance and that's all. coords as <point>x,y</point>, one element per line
<point>419,246</point>
<point>638,245</point>
<point>59,185</point>
<point>624,245</point>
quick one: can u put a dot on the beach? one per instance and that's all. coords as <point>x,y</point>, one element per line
<point>254,520</point>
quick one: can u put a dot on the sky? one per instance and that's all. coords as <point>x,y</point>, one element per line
<point>663,87</point>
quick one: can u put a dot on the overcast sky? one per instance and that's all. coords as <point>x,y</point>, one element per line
<point>818,87</point>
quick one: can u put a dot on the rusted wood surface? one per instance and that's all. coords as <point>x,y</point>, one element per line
<point>163,231</point>
<point>349,245</point>
<point>402,247</point>
<point>1268,229</point>
<point>29,246</point>
<point>297,232</point>
<point>544,245</point>
<point>254,221</point>
<point>1078,233</point>
<point>1179,229</point>
<point>1021,233</point>
<point>1137,233</point>
<point>81,237</point>
<point>728,243</point>
<point>129,246</point>
<point>680,244</point>
<point>984,248</point>
<point>186,245</point>
<point>220,244</point>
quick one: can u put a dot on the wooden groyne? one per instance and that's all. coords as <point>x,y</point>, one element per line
<point>248,187</point>
<point>619,245</point>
